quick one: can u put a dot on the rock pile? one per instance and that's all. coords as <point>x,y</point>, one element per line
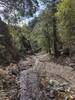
<point>8,83</point>
<point>58,91</point>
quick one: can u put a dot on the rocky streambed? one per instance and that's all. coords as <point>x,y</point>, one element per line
<point>36,78</point>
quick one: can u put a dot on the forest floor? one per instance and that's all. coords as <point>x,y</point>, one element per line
<point>29,79</point>
<point>34,79</point>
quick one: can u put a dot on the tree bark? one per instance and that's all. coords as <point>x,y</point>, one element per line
<point>55,49</point>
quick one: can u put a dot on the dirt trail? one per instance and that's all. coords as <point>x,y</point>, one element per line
<point>29,79</point>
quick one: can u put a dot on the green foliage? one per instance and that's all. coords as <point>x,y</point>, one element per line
<point>16,33</point>
<point>21,36</point>
<point>66,21</point>
<point>55,24</point>
<point>42,32</point>
<point>13,10</point>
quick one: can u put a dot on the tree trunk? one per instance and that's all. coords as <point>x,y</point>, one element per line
<point>55,49</point>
